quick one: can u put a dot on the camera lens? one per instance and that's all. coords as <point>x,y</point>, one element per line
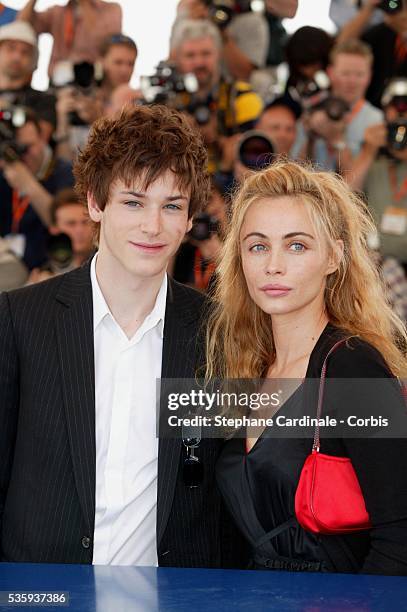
<point>255,150</point>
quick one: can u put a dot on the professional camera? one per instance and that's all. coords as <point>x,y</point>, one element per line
<point>204,226</point>
<point>334,107</point>
<point>82,77</point>
<point>60,254</point>
<point>255,150</point>
<point>395,95</point>
<point>10,119</point>
<point>221,12</point>
<point>168,86</point>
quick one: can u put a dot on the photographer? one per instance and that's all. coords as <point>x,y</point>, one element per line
<point>244,33</point>
<point>30,176</point>
<point>279,121</point>
<point>221,109</point>
<point>78,28</point>
<point>381,171</point>
<point>119,54</point>
<point>335,125</point>
<point>71,240</point>
<point>79,104</point>
<point>195,262</point>
<point>387,40</point>
<point>18,60</point>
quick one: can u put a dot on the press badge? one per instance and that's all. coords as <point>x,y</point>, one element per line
<point>394,221</point>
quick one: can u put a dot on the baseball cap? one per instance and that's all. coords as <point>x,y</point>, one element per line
<point>19,30</point>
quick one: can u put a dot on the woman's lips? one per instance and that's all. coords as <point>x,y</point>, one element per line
<point>275,290</point>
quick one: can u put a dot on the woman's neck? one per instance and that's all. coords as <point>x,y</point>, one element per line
<point>295,338</point>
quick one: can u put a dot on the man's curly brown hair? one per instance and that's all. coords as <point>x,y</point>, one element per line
<point>143,142</point>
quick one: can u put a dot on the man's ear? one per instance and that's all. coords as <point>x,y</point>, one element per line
<point>94,211</point>
<point>53,230</point>
<point>189,224</point>
<point>336,257</point>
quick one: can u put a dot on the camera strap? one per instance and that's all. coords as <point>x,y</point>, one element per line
<point>355,110</point>
<point>20,205</point>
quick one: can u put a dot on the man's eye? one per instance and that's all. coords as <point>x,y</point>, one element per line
<point>297,246</point>
<point>173,206</point>
<point>132,203</point>
<point>257,248</point>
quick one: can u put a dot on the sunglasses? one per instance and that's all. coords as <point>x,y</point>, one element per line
<point>192,468</point>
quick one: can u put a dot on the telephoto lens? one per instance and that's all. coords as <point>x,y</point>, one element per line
<point>256,150</point>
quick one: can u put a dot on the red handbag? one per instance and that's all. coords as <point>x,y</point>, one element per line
<point>329,498</point>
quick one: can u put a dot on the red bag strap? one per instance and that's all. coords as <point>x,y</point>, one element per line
<point>316,444</point>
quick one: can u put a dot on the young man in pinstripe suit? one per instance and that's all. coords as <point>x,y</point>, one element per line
<point>83,478</point>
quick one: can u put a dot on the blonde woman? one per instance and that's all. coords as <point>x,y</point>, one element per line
<point>294,278</point>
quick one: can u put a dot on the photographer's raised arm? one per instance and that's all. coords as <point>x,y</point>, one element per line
<point>356,26</point>
<point>239,65</point>
<point>375,137</point>
<point>27,13</point>
<point>20,178</point>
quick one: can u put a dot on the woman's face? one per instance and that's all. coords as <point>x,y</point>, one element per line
<point>284,261</point>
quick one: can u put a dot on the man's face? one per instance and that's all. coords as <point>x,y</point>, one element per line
<point>279,124</point>
<point>16,59</point>
<point>350,76</point>
<point>30,136</point>
<point>118,64</point>
<point>201,57</point>
<point>141,229</point>
<point>72,219</point>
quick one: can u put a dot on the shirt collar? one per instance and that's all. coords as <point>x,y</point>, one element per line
<point>101,309</point>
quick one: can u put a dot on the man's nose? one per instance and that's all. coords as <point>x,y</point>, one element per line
<point>151,223</point>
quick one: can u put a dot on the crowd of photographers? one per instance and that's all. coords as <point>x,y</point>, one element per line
<point>253,92</point>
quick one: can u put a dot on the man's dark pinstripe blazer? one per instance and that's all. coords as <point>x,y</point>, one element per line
<point>47,430</point>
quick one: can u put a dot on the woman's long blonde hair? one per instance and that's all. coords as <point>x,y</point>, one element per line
<point>239,339</point>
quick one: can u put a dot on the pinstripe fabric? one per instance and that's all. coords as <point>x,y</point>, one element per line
<point>47,433</point>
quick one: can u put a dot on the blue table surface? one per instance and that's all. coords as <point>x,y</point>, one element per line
<point>121,589</point>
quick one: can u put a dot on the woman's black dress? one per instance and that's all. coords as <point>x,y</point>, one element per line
<point>259,487</point>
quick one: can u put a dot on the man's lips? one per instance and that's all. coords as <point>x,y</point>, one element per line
<point>148,246</point>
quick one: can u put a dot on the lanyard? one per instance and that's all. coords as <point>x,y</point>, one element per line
<point>201,278</point>
<point>398,192</point>
<point>355,110</point>
<point>69,29</point>
<point>20,205</point>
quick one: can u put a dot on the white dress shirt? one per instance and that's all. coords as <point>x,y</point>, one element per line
<point>126,443</point>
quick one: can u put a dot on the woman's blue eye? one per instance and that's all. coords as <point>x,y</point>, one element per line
<point>257,248</point>
<point>298,246</point>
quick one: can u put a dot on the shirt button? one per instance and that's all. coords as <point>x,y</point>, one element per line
<point>85,542</point>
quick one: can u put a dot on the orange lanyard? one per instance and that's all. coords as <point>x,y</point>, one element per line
<point>355,110</point>
<point>69,28</point>
<point>20,205</point>
<point>398,192</point>
<point>201,278</point>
